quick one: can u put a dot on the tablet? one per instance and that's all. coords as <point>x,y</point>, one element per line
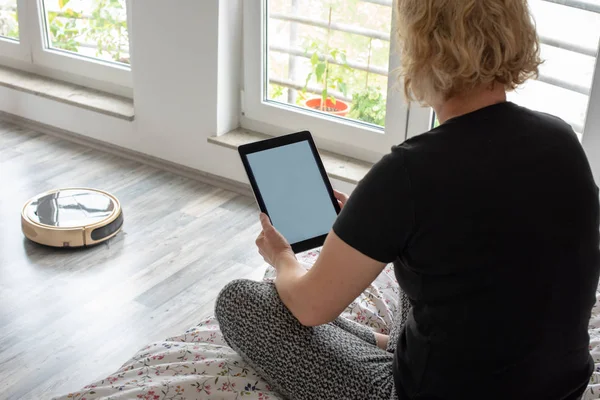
<point>290,186</point>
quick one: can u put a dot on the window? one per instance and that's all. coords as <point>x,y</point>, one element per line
<point>323,66</point>
<point>85,41</point>
<point>570,53</point>
<point>327,58</point>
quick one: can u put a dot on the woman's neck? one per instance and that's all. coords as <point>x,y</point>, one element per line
<point>467,102</point>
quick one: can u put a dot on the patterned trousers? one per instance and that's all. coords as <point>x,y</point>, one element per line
<point>339,360</point>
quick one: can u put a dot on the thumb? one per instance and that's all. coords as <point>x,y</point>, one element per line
<point>265,222</point>
<point>343,197</point>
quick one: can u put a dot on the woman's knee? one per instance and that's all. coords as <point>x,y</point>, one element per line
<point>235,298</point>
<point>229,296</point>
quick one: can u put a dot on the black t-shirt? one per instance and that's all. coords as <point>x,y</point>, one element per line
<point>491,221</point>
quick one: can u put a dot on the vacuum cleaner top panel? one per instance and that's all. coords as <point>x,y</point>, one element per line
<point>70,208</point>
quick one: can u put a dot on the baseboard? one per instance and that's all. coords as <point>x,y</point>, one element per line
<point>155,162</point>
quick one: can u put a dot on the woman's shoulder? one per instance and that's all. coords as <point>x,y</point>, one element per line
<point>500,123</point>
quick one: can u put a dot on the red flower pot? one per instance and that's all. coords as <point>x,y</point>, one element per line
<point>340,108</point>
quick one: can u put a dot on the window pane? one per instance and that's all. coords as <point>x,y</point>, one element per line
<point>569,39</point>
<point>330,57</point>
<point>9,25</point>
<point>90,28</point>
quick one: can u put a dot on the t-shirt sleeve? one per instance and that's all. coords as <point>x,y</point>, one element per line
<point>378,218</point>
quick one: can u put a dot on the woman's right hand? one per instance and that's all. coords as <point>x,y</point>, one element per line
<point>342,198</point>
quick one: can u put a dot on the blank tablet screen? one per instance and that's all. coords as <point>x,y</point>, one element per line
<point>292,188</point>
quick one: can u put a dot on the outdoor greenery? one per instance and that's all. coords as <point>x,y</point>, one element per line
<point>101,33</point>
<point>328,52</point>
<point>106,28</point>
<point>368,105</point>
<point>9,26</point>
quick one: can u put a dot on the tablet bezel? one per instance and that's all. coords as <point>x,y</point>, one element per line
<point>280,141</point>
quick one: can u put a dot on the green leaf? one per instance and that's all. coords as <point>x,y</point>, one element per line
<point>334,53</point>
<point>343,88</point>
<point>343,57</point>
<point>72,14</point>
<point>314,59</point>
<point>307,80</point>
<point>324,95</point>
<point>62,3</point>
<point>333,100</point>
<point>320,70</point>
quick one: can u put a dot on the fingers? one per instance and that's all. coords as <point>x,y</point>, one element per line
<point>341,197</point>
<point>259,244</point>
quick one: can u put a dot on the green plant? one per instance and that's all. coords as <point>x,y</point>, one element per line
<point>275,91</point>
<point>106,27</point>
<point>63,28</point>
<point>320,57</point>
<point>108,30</point>
<point>14,26</point>
<point>368,105</point>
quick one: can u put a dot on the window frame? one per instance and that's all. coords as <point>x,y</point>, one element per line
<point>33,53</point>
<point>18,49</point>
<point>356,139</point>
<point>592,120</point>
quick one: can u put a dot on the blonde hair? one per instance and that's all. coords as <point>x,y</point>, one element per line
<point>451,46</point>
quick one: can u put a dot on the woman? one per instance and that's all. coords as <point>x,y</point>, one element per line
<point>491,221</point>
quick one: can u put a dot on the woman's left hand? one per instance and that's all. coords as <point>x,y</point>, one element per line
<point>271,244</point>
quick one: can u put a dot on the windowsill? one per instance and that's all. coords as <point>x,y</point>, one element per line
<point>337,166</point>
<point>78,96</point>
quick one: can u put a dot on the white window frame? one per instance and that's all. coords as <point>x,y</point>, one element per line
<point>33,53</point>
<point>333,133</point>
<point>18,49</point>
<point>592,119</point>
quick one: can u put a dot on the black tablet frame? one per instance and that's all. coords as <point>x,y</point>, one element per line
<point>279,141</point>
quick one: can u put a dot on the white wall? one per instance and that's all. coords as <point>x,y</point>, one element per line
<point>175,75</point>
<point>230,65</point>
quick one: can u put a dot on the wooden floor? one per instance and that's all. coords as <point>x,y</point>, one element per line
<point>68,317</point>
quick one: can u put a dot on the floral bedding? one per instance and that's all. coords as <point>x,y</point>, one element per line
<point>198,364</point>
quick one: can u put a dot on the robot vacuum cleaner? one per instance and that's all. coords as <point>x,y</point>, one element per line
<point>72,217</point>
